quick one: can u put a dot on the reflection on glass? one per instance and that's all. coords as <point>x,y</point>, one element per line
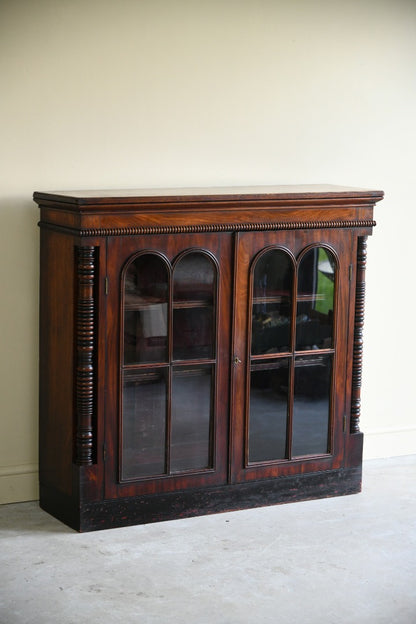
<point>315,300</point>
<point>192,333</point>
<point>268,410</point>
<point>311,405</point>
<point>194,281</point>
<point>272,282</point>
<point>145,310</point>
<point>144,423</point>
<point>191,419</point>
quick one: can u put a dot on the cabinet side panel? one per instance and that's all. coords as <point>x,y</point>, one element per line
<point>56,361</point>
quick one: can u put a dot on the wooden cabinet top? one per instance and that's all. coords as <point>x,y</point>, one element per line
<point>144,211</point>
<point>237,194</point>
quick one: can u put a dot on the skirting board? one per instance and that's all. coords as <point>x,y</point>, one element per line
<point>19,483</point>
<point>389,442</point>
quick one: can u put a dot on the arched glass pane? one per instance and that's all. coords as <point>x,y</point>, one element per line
<point>194,284</point>
<point>272,294</point>
<point>146,288</point>
<point>315,300</point>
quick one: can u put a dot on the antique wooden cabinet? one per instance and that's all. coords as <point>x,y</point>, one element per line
<point>200,349</point>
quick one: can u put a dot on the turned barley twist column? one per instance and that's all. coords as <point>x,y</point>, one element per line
<point>358,336</point>
<point>84,357</point>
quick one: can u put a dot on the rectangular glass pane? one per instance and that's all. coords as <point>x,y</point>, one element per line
<point>191,447</point>
<point>193,332</point>
<point>311,407</point>
<point>143,423</point>
<point>268,410</point>
<point>145,334</point>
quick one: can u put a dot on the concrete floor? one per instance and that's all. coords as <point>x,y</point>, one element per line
<point>341,560</point>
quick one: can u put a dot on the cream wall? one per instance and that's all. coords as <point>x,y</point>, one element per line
<point>131,93</point>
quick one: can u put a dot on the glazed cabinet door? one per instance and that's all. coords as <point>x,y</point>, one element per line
<point>167,362</point>
<point>291,323</point>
